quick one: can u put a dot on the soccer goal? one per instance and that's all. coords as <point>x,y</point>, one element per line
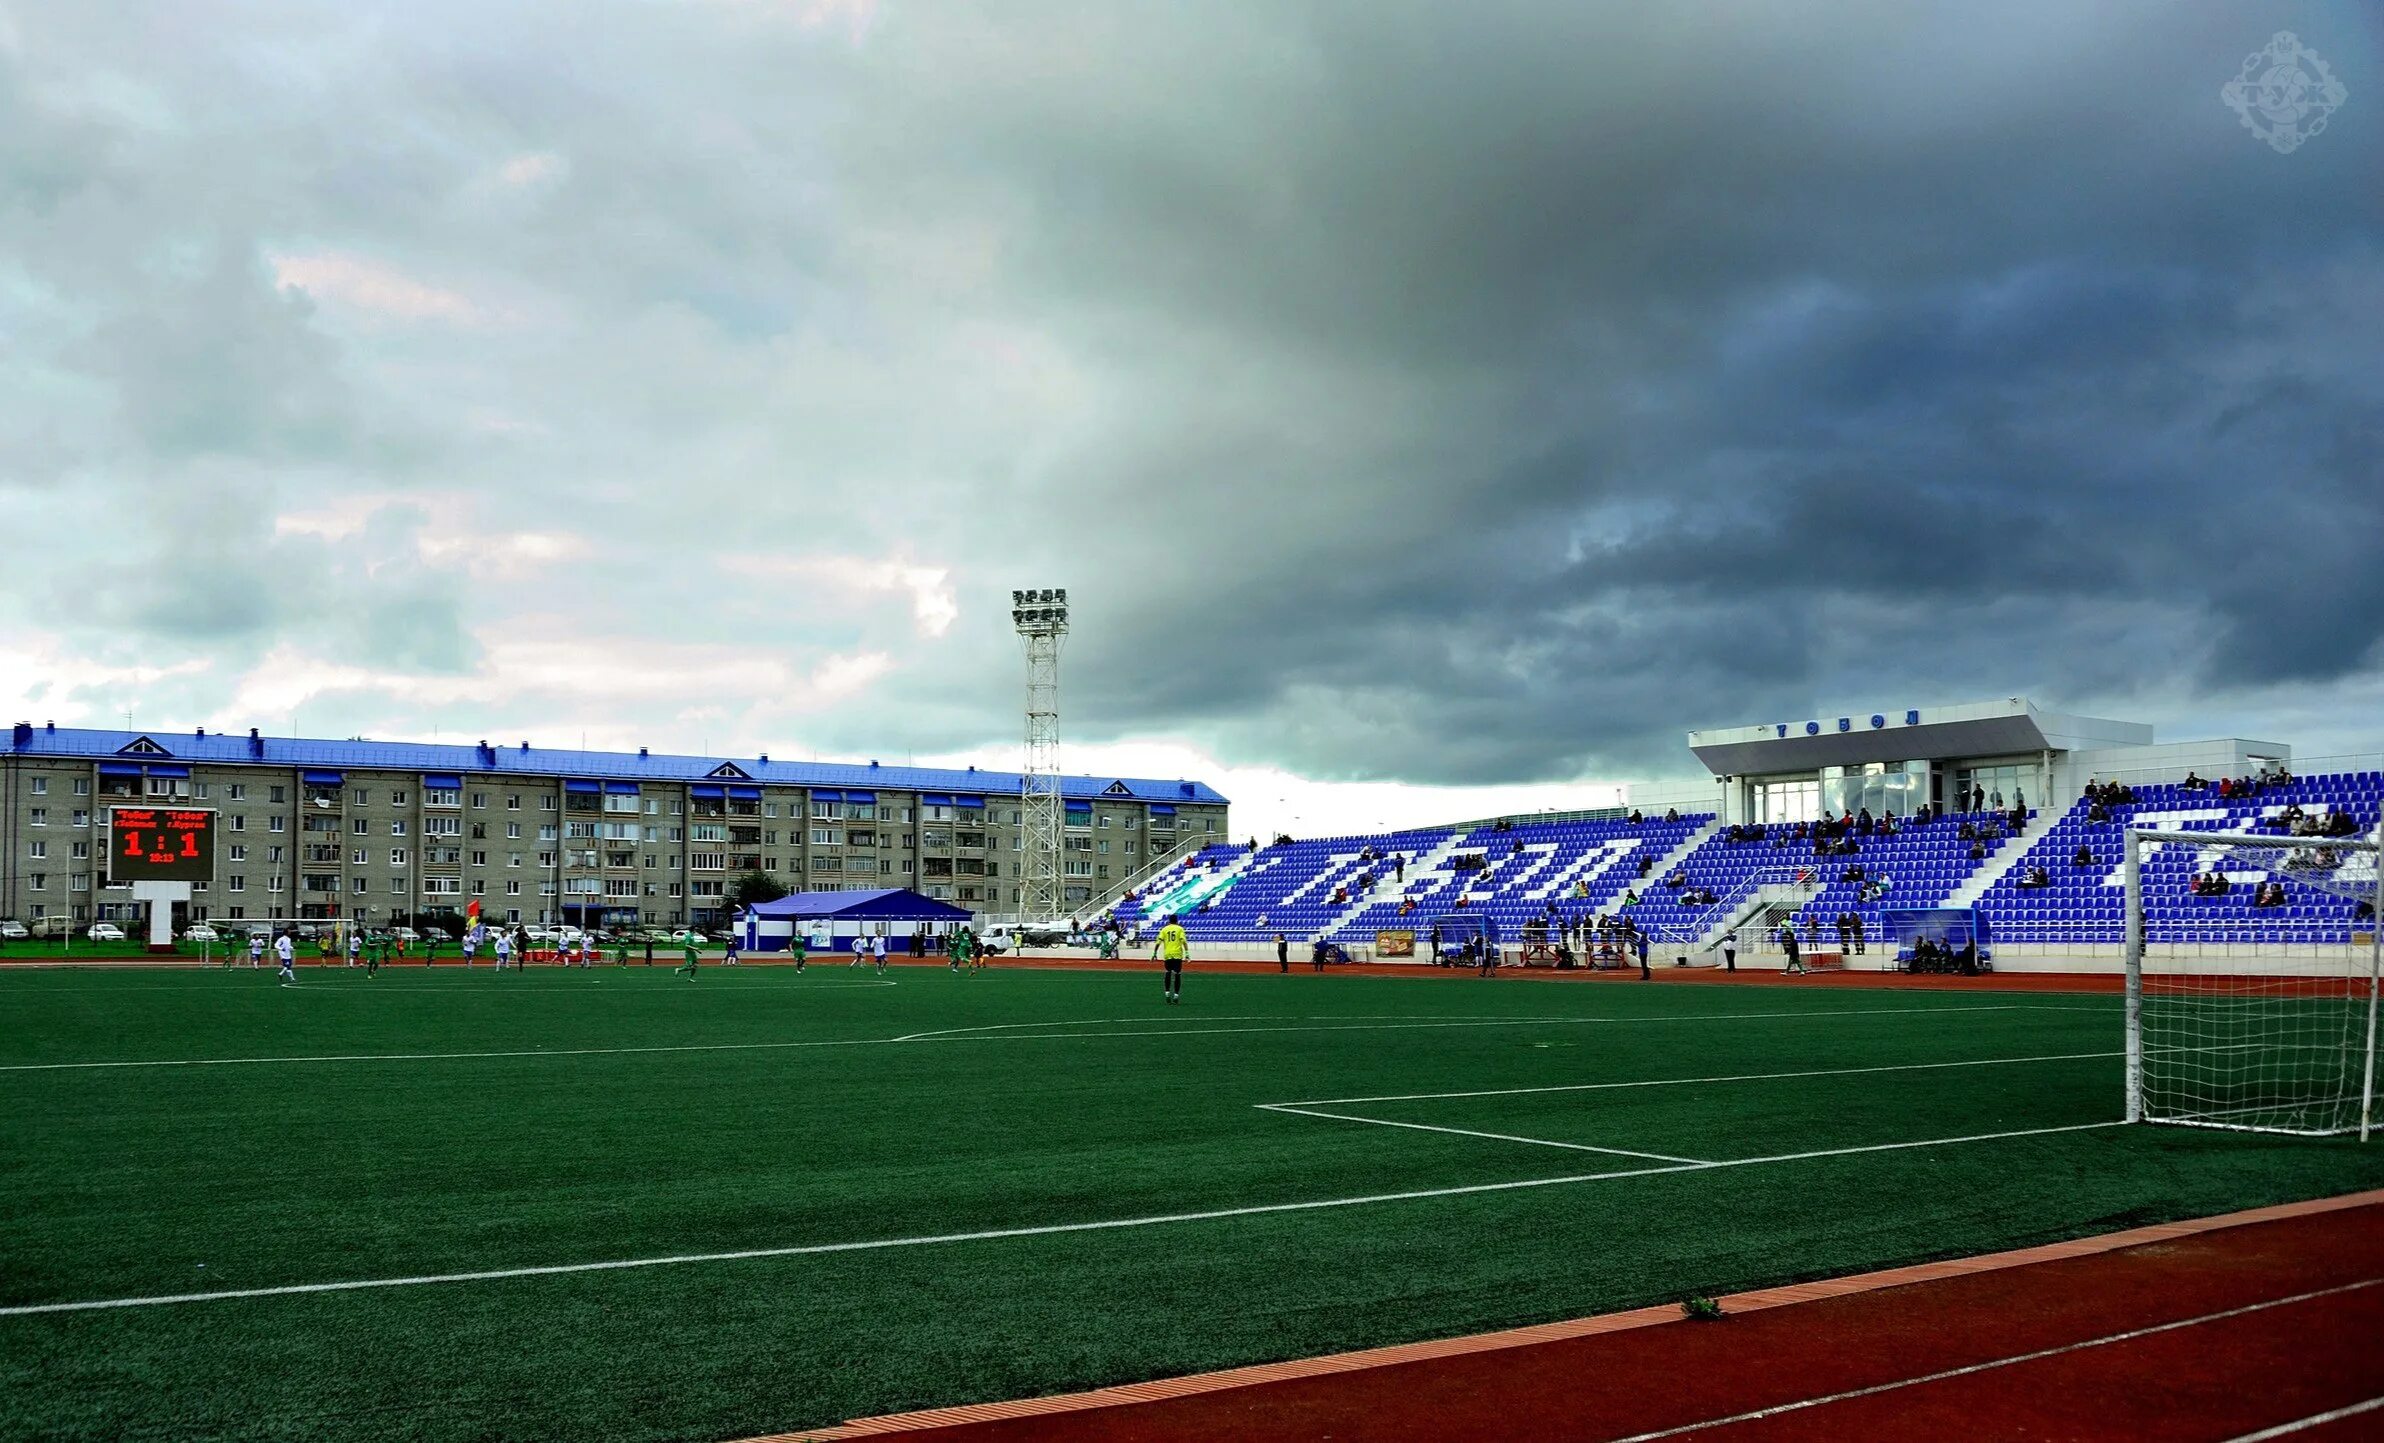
<point>2252,976</point>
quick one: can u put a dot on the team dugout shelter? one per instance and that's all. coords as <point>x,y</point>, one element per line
<point>842,917</point>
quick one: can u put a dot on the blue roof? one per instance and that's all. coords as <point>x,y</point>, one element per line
<point>884,904</point>
<point>467,760</point>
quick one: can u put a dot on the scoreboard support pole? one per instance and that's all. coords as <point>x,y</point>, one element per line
<point>161,897</point>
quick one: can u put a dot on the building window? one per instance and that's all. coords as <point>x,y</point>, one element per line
<point>438,826</point>
<point>41,786</point>
<point>397,856</point>
<point>513,803</point>
<point>236,882</point>
<point>82,818</point>
<point>513,831</point>
<point>277,823</point>
<point>433,797</point>
<point>276,795</point>
<point>397,886</point>
<point>361,827</point>
<point>38,817</point>
<point>237,791</point>
<point>479,801</point>
<point>82,786</point>
<point>360,797</point>
<point>513,889</point>
<point>37,849</point>
<point>620,802</point>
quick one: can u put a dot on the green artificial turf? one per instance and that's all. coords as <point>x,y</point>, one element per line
<point>484,1122</point>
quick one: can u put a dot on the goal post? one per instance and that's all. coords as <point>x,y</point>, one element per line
<point>2253,972</point>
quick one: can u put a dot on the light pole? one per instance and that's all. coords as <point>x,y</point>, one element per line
<point>1041,618</point>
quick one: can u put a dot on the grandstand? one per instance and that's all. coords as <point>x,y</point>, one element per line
<point>1755,856</point>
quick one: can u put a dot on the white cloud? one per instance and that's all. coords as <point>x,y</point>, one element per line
<point>376,289</point>
<point>533,167</point>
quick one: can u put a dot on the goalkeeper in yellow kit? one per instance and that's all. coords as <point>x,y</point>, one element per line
<point>1170,949</point>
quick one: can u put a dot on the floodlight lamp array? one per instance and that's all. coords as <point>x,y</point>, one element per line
<point>1039,609</point>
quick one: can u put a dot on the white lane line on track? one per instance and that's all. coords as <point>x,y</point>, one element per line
<point>1969,1370</point>
<point>1469,1132</point>
<point>2314,1420</point>
<point>1000,1234</point>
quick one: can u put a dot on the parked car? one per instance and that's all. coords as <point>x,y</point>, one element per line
<point>199,932</point>
<point>405,934</point>
<point>688,934</point>
<point>52,927</point>
<point>105,932</point>
<point>1009,937</point>
<point>14,931</point>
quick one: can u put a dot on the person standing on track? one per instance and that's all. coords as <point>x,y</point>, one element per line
<point>1170,949</point>
<point>1639,940</point>
<point>1282,953</point>
<point>1730,950</point>
<point>1796,961</point>
<point>285,951</point>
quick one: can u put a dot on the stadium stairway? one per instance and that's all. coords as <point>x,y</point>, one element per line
<point>1991,870</point>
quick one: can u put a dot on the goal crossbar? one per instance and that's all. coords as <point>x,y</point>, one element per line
<point>2362,983</point>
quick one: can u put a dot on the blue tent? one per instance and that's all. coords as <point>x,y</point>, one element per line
<point>885,911</point>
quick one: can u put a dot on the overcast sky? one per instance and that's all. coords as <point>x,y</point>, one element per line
<point>1431,408</point>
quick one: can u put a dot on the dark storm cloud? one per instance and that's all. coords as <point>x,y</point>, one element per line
<point>1639,372</point>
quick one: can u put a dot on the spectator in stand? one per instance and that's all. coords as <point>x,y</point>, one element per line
<point>2083,857</point>
<point>1635,818</point>
<point>1978,851</point>
<point>2193,783</point>
<point>1672,814</point>
<point>2270,894</point>
<point>2036,878</point>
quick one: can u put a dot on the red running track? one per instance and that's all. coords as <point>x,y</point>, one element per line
<point>2219,1334</point>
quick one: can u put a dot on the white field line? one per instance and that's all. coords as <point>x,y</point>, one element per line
<point>2314,1420</point>
<point>1687,1081</point>
<point>998,1234</point>
<point>917,1038</point>
<point>944,1032</point>
<point>1469,1132</point>
<point>1968,1370</point>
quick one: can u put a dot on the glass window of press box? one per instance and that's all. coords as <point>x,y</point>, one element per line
<point>1876,787</point>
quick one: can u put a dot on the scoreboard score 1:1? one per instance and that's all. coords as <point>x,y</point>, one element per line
<point>159,844</point>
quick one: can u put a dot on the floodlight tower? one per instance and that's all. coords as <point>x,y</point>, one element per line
<point>1041,617</point>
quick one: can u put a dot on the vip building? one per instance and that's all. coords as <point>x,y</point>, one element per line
<point>376,831</point>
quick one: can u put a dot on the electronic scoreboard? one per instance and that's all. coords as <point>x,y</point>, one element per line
<point>160,844</point>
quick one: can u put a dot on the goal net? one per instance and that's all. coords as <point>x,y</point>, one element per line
<point>2252,977</point>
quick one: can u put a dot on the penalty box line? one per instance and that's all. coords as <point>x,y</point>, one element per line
<point>1002,1234</point>
<point>1315,1108</point>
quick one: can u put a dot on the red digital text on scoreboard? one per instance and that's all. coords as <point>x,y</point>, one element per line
<point>161,844</point>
